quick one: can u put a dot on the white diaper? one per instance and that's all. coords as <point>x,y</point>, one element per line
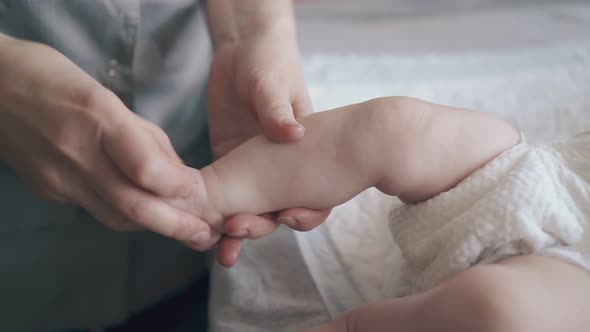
<point>528,200</point>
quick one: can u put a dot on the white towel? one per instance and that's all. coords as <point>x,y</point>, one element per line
<point>528,200</point>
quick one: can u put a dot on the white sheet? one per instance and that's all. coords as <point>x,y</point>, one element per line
<point>300,279</point>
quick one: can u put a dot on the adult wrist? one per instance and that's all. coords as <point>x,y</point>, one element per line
<point>232,22</point>
<point>271,17</point>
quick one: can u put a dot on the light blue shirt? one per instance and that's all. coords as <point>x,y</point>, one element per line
<point>58,267</point>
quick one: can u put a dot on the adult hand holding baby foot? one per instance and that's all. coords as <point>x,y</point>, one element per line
<point>256,85</point>
<point>73,141</point>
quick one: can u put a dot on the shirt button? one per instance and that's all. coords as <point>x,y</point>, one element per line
<point>112,69</point>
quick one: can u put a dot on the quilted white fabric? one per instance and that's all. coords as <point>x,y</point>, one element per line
<point>527,200</point>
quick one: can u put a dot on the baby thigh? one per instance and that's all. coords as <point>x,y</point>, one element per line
<point>518,294</point>
<point>522,293</point>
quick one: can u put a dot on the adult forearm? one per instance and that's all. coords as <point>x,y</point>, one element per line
<point>233,20</point>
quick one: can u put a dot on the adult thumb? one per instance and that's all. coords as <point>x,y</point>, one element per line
<point>274,110</point>
<point>133,149</point>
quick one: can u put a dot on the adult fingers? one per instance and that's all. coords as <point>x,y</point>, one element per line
<point>135,152</point>
<point>302,105</point>
<point>250,226</point>
<point>163,141</point>
<point>146,209</point>
<point>102,212</point>
<point>228,250</point>
<point>303,219</point>
<point>272,105</point>
<point>244,225</point>
<point>206,245</point>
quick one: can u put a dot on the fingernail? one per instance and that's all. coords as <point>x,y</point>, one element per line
<point>235,255</point>
<point>200,237</point>
<point>291,222</point>
<point>240,233</point>
<point>287,120</point>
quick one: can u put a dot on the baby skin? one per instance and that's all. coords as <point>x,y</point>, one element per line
<point>413,150</point>
<point>402,146</point>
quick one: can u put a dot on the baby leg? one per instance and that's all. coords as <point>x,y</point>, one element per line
<point>521,293</point>
<point>518,294</point>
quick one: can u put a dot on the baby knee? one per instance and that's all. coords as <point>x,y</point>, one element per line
<point>488,298</point>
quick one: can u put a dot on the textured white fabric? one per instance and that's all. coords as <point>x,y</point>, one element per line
<point>527,200</point>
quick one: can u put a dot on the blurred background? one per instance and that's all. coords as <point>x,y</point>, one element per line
<point>518,58</point>
<point>398,26</point>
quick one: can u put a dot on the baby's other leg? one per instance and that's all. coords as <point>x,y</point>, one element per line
<point>521,293</point>
<point>518,294</point>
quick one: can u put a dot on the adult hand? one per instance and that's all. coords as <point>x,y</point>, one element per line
<point>73,141</point>
<point>256,84</point>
